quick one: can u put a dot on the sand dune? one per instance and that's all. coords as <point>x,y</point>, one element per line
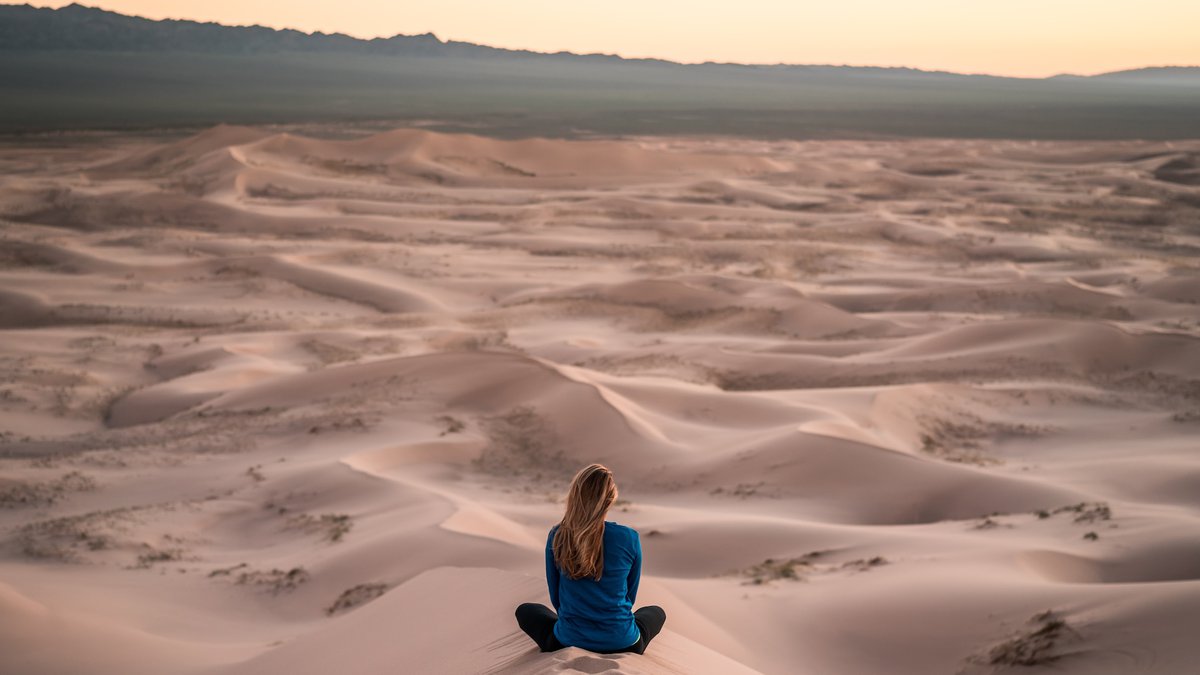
<point>279,403</point>
<point>434,643</point>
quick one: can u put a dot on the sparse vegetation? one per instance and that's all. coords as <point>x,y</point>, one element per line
<point>797,569</point>
<point>276,580</point>
<point>773,570</point>
<point>1089,512</point>
<point>987,523</point>
<point>152,555</point>
<point>351,424</point>
<point>25,494</point>
<point>328,353</point>
<point>64,539</point>
<point>1085,512</point>
<point>1035,646</point>
<point>355,596</point>
<point>863,564</point>
<point>226,571</point>
<point>522,443</point>
<point>961,440</point>
<point>451,425</point>
<point>740,491</point>
<point>332,526</point>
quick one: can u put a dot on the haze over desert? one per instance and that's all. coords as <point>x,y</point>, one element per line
<point>306,400</point>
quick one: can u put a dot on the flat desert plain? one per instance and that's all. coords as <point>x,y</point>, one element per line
<point>274,403</point>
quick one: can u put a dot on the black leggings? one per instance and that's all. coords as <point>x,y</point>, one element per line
<point>538,623</point>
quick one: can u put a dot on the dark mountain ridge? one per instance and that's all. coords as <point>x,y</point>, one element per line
<point>80,27</point>
<point>83,67</point>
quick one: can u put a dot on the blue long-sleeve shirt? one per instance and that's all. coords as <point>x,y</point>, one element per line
<point>598,614</point>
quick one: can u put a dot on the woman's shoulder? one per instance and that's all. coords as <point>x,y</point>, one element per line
<point>611,529</point>
<point>616,529</point>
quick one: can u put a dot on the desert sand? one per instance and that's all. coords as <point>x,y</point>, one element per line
<point>273,402</point>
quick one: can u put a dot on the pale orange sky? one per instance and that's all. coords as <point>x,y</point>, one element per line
<point>1028,38</point>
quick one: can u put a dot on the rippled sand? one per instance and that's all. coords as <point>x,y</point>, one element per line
<point>276,404</point>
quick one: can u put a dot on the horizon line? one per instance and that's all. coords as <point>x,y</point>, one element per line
<point>779,64</point>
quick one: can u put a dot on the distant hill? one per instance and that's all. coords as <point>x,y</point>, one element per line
<point>82,67</point>
<point>1162,74</point>
<point>78,27</point>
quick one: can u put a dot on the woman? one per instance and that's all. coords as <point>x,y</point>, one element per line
<point>592,568</point>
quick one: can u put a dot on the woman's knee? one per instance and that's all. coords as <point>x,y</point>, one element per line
<point>535,613</point>
<point>654,611</point>
<point>527,609</point>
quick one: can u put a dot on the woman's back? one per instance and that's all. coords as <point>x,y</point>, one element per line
<point>593,567</point>
<point>598,614</point>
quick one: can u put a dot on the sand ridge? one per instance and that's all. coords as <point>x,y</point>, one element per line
<point>281,403</point>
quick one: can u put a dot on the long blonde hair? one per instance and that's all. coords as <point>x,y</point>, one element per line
<point>579,542</point>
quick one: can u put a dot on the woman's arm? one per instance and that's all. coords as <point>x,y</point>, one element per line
<point>635,570</point>
<point>551,570</point>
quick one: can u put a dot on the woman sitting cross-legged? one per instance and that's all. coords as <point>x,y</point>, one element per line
<point>592,568</point>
